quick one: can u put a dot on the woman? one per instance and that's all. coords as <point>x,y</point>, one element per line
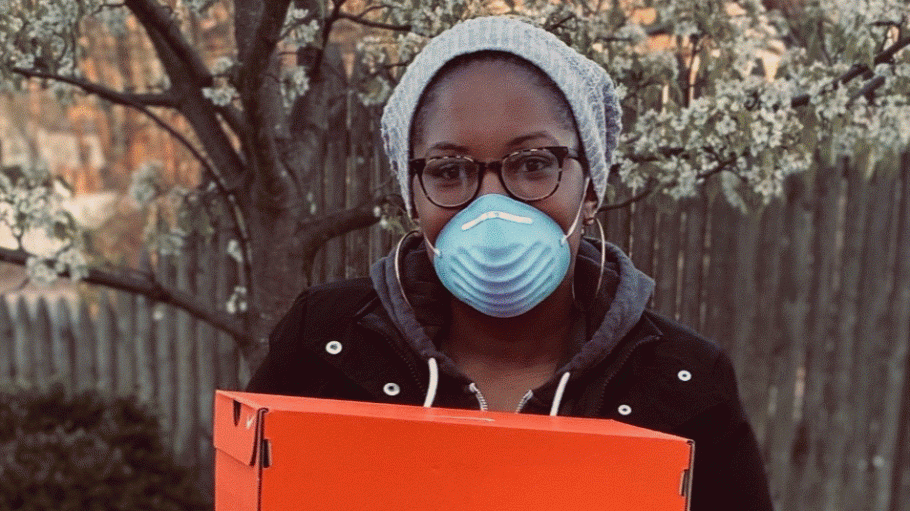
<point>501,137</point>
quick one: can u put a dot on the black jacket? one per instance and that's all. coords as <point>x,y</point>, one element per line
<point>340,341</point>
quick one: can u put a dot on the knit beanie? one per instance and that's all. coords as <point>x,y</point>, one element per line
<point>585,84</point>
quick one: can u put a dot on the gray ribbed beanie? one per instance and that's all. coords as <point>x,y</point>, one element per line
<point>586,85</point>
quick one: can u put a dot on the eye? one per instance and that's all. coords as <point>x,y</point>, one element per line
<point>529,163</point>
<point>449,169</point>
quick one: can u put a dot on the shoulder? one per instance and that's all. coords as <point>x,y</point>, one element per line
<point>335,296</point>
<point>320,317</point>
<point>680,341</point>
<point>676,376</point>
<point>324,305</point>
<point>319,311</point>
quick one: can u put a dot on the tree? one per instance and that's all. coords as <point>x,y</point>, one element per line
<point>726,98</point>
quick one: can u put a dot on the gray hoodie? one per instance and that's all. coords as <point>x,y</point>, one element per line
<point>423,314</point>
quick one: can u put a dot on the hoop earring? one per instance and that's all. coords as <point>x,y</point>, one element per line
<point>600,274</point>
<point>398,266</point>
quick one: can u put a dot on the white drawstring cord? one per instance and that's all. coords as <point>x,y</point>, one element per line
<point>434,382</point>
<point>560,390</point>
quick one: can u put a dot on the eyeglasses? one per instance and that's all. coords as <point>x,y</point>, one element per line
<point>528,175</point>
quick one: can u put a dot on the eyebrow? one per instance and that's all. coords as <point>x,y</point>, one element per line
<point>531,136</point>
<point>448,146</point>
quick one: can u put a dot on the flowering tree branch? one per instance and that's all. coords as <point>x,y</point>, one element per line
<point>114,96</point>
<point>145,284</point>
<point>361,20</point>
<point>860,69</point>
<point>135,101</point>
<point>640,196</point>
<point>141,103</point>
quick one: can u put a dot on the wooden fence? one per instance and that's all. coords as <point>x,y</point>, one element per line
<point>811,297</point>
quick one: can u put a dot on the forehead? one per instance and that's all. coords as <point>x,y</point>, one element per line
<point>490,101</point>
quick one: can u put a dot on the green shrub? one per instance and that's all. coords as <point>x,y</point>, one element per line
<point>84,452</point>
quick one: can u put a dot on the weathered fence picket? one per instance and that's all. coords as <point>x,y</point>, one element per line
<point>7,347</point>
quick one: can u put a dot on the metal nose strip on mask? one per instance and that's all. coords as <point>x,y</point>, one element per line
<point>489,215</point>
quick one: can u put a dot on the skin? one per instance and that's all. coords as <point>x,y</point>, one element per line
<point>487,110</point>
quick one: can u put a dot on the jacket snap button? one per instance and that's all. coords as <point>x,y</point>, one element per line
<point>624,409</point>
<point>684,375</point>
<point>391,389</point>
<point>333,347</point>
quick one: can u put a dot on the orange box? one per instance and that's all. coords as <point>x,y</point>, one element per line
<point>290,453</point>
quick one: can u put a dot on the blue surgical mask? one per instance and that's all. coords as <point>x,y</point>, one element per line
<point>502,256</point>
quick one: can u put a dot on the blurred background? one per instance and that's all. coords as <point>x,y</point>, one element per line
<point>175,172</point>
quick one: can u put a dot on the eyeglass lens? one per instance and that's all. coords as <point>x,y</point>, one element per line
<point>528,175</point>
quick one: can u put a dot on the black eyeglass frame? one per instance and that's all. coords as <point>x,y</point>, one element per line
<point>418,165</point>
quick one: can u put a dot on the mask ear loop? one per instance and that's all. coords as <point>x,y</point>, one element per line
<point>600,273</point>
<point>572,227</point>
<point>398,265</point>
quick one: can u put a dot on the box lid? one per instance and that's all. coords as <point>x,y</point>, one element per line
<point>330,454</point>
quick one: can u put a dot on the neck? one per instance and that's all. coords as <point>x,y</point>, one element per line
<point>538,338</point>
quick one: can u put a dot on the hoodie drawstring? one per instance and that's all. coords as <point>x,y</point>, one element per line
<point>433,383</point>
<point>560,390</point>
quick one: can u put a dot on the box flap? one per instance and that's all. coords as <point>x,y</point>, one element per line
<point>687,476</point>
<point>238,426</point>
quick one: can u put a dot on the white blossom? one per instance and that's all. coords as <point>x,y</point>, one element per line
<point>40,270</point>
<point>632,32</point>
<point>237,302</point>
<point>145,183</point>
<point>296,83</point>
<point>234,251</point>
<point>72,262</point>
<point>222,94</point>
<point>223,64</point>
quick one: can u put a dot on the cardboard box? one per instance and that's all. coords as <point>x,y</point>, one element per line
<point>287,453</point>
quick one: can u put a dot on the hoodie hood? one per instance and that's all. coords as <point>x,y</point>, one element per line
<point>418,303</point>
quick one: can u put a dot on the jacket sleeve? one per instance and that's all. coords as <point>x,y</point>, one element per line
<point>728,471</point>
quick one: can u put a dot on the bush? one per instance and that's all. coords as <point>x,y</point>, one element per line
<point>84,452</point>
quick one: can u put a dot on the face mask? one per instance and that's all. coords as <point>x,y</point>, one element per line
<point>502,256</point>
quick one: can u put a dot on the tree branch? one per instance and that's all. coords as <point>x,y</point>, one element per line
<point>327,25</point>
<point>157,17</point>
<point>373,8</point>
<point>260,144</point>
<point>858,69</point>
<point>721,166</point>
<point>654,186</point>
<point>869,89</point>
<point>114,96</point>
<point>234,119</point>
<point>360,20</point>
<point>317,231</point>
<point>266,38</point>
<point>145,284</point>
<point>628,202</point>
<point>126,100</point>
<point>131,101</point>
